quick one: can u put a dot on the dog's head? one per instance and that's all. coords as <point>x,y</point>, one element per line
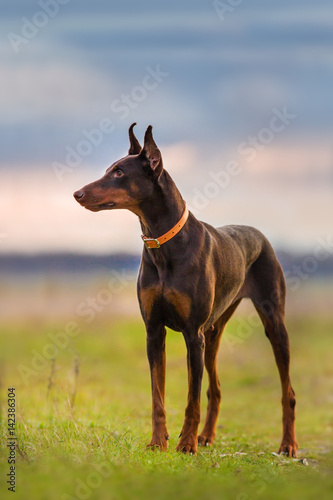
<point>127,182</point>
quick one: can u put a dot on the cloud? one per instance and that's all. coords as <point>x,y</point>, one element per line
<point>43,216</point>
<point>299,163</point>
<point>285,192</point>
<point>179,158</point>
<point>29,92</point>
<point>225,79</point>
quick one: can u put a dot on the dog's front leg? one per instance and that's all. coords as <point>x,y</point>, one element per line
<point>195,343</point>
<point>156,357</point>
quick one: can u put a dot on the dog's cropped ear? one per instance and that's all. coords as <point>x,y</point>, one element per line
<point>135,147</point>
<point>151,154</point>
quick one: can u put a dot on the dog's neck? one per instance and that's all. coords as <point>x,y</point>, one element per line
<point>163,209</point>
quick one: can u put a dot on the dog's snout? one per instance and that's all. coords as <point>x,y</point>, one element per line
<point>78,195</point>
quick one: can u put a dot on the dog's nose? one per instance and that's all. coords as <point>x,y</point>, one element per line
<point>78,195</point>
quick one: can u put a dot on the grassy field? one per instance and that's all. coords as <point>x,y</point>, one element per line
<point>83,420</point>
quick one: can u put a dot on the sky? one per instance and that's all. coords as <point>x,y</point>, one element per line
<point>239,94</point>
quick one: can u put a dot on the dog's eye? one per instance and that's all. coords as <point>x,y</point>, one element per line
<point>119,173</point>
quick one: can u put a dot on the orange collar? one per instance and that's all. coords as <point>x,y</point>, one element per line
<point>157,242</point>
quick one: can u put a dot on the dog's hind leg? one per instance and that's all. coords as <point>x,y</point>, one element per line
<point>268,295</point>
<point>213,337</point>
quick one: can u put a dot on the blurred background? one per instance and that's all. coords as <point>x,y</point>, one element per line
<point>208,76</point>
<point>240,97</point>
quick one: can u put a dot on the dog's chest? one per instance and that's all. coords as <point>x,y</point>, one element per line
<point>177,308</point>
<point>167,304</point>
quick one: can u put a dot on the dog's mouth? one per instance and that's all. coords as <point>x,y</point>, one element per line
<point>100,206</point>
<point>91,202</point>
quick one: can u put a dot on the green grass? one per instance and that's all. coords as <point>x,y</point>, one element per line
<point>82,425</point>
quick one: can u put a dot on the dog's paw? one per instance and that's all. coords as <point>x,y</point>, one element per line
<point>205,440</point>
<point>189,446</point>
<point>289,449</point>
<point>158,443</point>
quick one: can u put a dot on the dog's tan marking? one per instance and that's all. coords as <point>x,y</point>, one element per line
<point>181,302</point>
<point>147,297</point>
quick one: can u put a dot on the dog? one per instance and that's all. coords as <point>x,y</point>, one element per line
<point>192,277</point>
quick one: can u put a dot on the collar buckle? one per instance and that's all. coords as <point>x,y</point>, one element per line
<point>157,242</point>
<point>151,242</point>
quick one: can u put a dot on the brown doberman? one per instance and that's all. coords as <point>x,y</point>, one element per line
<point>192,279</point>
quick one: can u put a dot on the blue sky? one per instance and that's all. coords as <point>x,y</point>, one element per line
<point>223,79</point>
